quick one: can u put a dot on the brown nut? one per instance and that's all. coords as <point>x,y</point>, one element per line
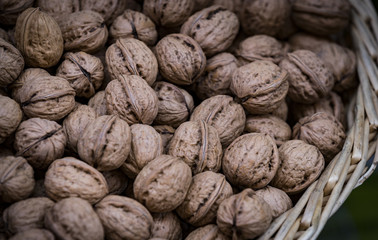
<point>40,142</point>
<point>10,10</point>
<point>116,180</point>
<point>16,179</point>
<point>74,218</point>
<point>208,232</point>
<point>166,133</point>
<point>301,165</point>
<point>323,131</point>
<point>12,63</point>
<point>98,103</point>
<point>33,234</point>
<point>282,111</point>
<point>69,177</point>
<point>124,218</point>
<point>166,226</point>
<point>206,192</point>
<point>131,99</point>
<point>58,8</point>
<point>154,188</point>
<point>244,215</point>
<point>10,117</point>
<point>39,38</point>
<point>261,86</point>
<point>277,199</point>
<point>108,9</point>
<point>181,59</point>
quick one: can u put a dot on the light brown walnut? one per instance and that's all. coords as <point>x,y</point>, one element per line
<point>166,226</point>
<point>208,232</point>
<point>277,199</point>
<point>33,234</point>
<point>58,8</point>
<point>108,9</point>
<point>10,117</point>
<point>98,103</point>
<point>12,63</point>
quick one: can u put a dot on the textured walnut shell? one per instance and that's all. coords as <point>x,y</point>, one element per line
<point>198,145</point>
<point>282,111</point>
<point>277,199</point>
<point>154,188</point>
<point>166,133</point>
<point>108,9</point>
<point>131,99</point>
<point>16,179</point>
<point>244,215</point>
<point>33,234</point>
<point>301,165</point>
<point>214,28</point>
<point>309,78</point>
<point>166,226</point>
<point>146,145</point>
<point>129,56</point>
<point>167,13</point>
<point>274,126</point>
<point>40,142</point>
<point>58,8</point>
<point>321,17</point>
<point>26,214</point>
<point>323,131</point>
<point>74,218</point>
<point>224,114</point>
<point>84,72</point>
<point>263,17</point>
<point>10,10</point>
<point>175,104</point>
<point>12,63</point>
<point>124,218</point>
<point>206,192</point>
<point>98,103</point>
<point>217,77</point>
<point>133,24</point>
<point>49,97</point>
<point>39,38</point>
<point>10,117</point>
<point>260,86</point>
<point>208,232</point>
<point>116,180</point>
<point>69,177</point>
<point>303,40</point>
<point>83,31</point>
<point>181,59</point>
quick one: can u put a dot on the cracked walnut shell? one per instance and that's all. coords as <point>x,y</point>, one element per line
<point>10,117</point>
<point>12,63</point>
<point>277,199</point>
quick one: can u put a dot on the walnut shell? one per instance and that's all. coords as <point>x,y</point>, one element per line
<point>74,218</point>
<point>69,177</point>
<point>116,180</point>
<point>303,40</point>
<point>175,104</point>
<point>261,86</point>
<point>17,179</point>
<point>224,114</point>
<point>10,10</point>
<point>133,24</point>
<point>124,218</point>
<point>216,23</point>
<point>33,234</point>
<point>198,144</point>
<point>10,117</point>
<point>131,99</point>
<point>323,131</point>
<point>154,188</point>
<point>58,8</point>
<point>40,142</point>
<point>129,56</point>
<point>108,9</point>
<point>146,145</point>
<point>166,133</point>
<point>26,214</point>
<point>282,111</point>
<point>244,215</point>
<point>12,63</point>
<point>166,226</point>
<point>208,232</point>
<point>181,59</point>
<point>4,35</point>
<point>301,165</point>
<point>206,192</point>
<point>277,199</point>
<point>98,103</point>
<point>309,78</point>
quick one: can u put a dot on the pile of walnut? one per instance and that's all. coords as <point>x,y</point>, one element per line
<point>162,119</point>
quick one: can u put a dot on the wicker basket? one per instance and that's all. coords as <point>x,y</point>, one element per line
<point>350,168</point>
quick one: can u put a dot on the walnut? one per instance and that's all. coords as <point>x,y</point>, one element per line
<point>40,142</point>
<point>4,35</point>
<point>301,165</point>
<point>133,24</point>
<point>277,199</point>
<point>198,144</point>
<point>116,180</point>
<point>175,104</point>
<point>17,179</point>
<point>10,117</point>
<point>181,59</point>
<point>108,9</point>
<point>146,145</point>
<point>215,23</point>
<point>124,218</point>
<point>261,86</point>
<point>131,99</point>
<point>309,78</point>
<point>321,17</point>
<point>244,215</point>
<point>26,214</point>
<point>224,114</point>
<point>154,188</point>
<point>208,232</point>
<point>33,234</point>
<point>282,111</point>
<point>74,218</point>
<point>12,63</point>
<point>129,56</point>
<point>58,8</point>
<point>274,126</point>
<point>306,41</point>
<point>323,131</point>
<point>10,10</point>
<point>69,177</point>
<point>98,103</point>
<point>166,133</point>
<point>217,77</point>
<point>206,192</point>
<point>166,226</point>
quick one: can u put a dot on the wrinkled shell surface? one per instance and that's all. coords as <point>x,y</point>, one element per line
<point>166,226</point>
<point>108,9</point>
<point>166,133</point>
<point>33,234</point>
<point>116,180</point>
<point>58,9</point>
<point>10,117</point>
<point>12,63</point>
<point>208,232</point>
<point>277,199</point>
<point>98,103</point>
<point>11,9</point>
